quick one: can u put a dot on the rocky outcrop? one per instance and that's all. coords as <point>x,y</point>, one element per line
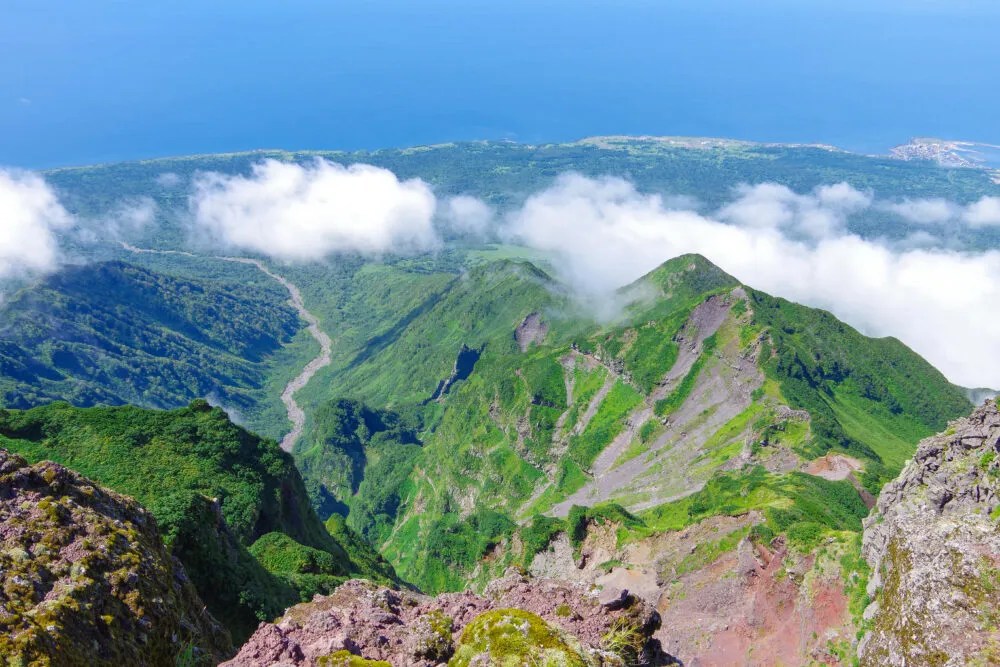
<point>531,330</point>
<point>724,598</point>
<point>87,579</point>
<point>516,621</point>
<point>933,544</point>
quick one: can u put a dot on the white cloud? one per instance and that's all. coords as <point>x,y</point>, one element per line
<point>602,234</point>
<point>816,214</point>
<point>983,213</point>
<point>919,239</point>
<point>307,212</point>
<point>763,205</point>
<point>134,214</point>
<point>924,211</point>
<point>30,219</point>
<point>843,197</point>
<point>168,179</point>
<point>125,219</point>
<point>467,216</point>
<point>129,217</point>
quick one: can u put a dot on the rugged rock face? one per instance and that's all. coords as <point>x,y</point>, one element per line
<point>517,621</point>
<point>87,580</point>
<point>724,599</point>
<point>933,544</point>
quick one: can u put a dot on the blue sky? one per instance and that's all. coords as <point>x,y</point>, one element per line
<point>94,81</point>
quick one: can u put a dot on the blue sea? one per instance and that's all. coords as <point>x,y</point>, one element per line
<point>84,81</point>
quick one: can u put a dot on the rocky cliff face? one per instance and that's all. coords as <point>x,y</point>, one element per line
<point>87,580</point>
<point>518,621</point>
<point>724,597</point>
<point>933,544</point>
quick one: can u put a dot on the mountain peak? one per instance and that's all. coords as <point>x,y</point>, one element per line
<point>694,271</point>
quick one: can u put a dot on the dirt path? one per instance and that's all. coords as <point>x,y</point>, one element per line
<point>295,413</point>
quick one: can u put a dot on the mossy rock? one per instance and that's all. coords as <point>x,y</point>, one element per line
<point>432,637</point>
<point>513,637</point>
<point>87,579</point>
<point>348,659</point>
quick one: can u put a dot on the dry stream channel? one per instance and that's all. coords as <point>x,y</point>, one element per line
<point>295,413</point>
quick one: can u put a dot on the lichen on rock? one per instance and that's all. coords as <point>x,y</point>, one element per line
<point>933,544</point>
<point>87,579</point>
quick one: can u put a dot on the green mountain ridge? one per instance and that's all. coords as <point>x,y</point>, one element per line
<point>702,380</point>
<point>115,333</point>
<point>475,417</point>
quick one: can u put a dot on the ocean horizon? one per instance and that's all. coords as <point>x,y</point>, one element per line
<point>84,83</point>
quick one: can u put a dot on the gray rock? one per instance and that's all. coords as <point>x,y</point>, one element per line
<point>612,598</point>
<point>934,552</point>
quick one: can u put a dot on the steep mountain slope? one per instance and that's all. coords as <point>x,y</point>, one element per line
<point>416,360</point>
<point>230,505</point>
<point>87,579</point>
<point>701,384</point>
<point>707,407</point>
<point>933,544</point>
<point>114,333</point>
<point>362,455</point>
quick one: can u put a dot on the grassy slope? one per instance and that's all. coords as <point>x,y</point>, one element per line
<point>870,398</point>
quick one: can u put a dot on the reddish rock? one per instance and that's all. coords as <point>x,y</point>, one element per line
<point>406,628</point>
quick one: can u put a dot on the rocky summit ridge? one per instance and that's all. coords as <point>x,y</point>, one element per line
<point>517,621</point>
<point>933,544</point>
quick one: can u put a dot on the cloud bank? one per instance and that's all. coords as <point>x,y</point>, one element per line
<point>306,212</point>
<point>602,234</point>
<point>30,219</point>
<point>982,213</point>
<point>818,214</point>
<point>466,216</point>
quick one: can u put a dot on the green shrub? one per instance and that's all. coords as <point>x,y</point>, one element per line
<point>348,659</point>
<point>280,554</point>
<point>805,535</point>
<point>537,535</point>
